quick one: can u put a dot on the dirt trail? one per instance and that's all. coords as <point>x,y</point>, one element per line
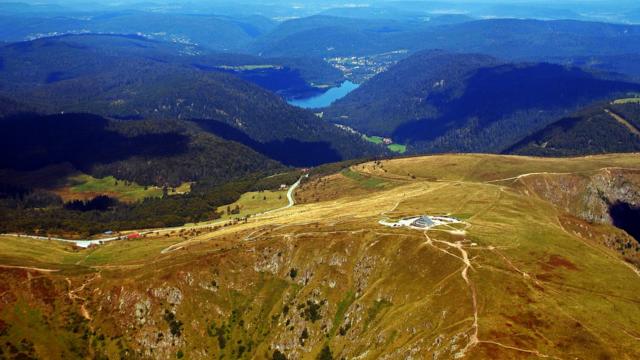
<point>72,294</point>
<point>583,172</point>
<point>532,352</point>
<point>28,268</point>
<point>518,177</point>
<point>464,257</point>
<point>464,273</point>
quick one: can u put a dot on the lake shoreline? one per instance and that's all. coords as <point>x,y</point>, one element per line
<point>326,98</point>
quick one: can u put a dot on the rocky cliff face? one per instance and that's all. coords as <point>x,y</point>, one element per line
<point>290,297</point>
<point>587,196</point>
<point>590,197</point>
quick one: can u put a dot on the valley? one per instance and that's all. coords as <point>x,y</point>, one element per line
<point>319,180</point>
<point>524,278</point>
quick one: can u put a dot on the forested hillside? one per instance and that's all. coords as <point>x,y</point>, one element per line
<point>149,152</point>
<point>71,76</point>
<point>601,129</point>
<point>438,101</point>
<point>58,58</point>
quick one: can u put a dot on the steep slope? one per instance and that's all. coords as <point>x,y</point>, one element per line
<point>147,152</point>
<point>130,87</point>
<point>509,282</point>
<point>438,101</point>
<point>600,129</point>
<point>398,95</point>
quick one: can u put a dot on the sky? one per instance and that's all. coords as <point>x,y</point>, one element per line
<point>610,10</point>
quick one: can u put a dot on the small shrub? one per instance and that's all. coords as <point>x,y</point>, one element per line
<point>304,336</point>
<point>277,355</point>
<point>325,354</point>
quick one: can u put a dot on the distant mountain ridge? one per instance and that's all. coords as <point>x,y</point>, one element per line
<point>229,33</point>
<point>58,59</point>
<point>515,39</point>
<point>72,75</point>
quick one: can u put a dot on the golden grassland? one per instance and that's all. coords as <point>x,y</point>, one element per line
<point>516,284</point>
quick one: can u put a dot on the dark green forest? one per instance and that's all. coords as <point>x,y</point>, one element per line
<point>590,131</point>
<point>38,212</point>
<point>444,102</point>
<point>123,85</point>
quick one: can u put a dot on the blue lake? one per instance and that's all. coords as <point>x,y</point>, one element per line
<point>325,99</point>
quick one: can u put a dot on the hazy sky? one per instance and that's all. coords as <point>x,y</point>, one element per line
<point>609,10</point>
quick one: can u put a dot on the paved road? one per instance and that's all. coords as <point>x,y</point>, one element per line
<point>292,200</point>
<point>293,187</point>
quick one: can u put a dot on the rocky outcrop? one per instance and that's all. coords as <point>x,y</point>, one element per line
<point>587,196</point>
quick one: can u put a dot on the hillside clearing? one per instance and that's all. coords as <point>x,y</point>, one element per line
<point>253,203</point>
<point>85,187</point>
<point>397,148</point>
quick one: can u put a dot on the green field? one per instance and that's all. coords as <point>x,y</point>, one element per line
<point>367,182</point>
<point>61,255</point>
<point>86,186</point>
<point>373,139</point>
<point>184,188</point>
<point>397,148</point>
<point>378,140</point>
<point>255,202</point>
<point>124,191</point>
<point>633,100</point>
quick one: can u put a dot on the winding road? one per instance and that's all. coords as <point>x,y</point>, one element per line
<point>290,197</point>
<point>88,242</point>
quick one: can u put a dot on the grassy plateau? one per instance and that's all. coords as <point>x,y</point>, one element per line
<point>513,281</point>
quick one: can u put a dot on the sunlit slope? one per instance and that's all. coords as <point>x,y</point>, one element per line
<point>509,283</point>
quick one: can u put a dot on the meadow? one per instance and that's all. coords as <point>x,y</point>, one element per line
<point>84,187</point>
<point>511,282</point>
